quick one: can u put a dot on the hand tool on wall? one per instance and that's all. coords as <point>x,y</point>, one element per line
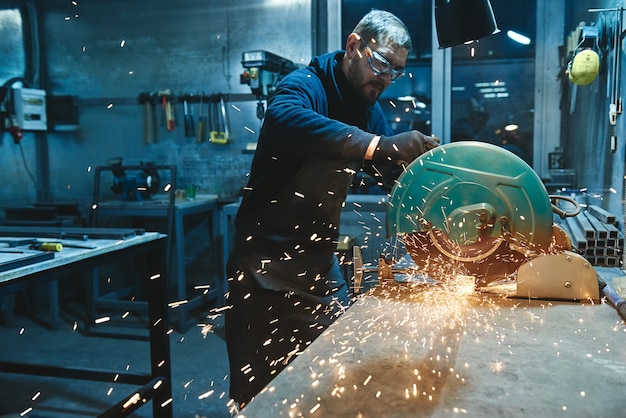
<point>171,117</point>
<point>168,109</point>
<point>211,117</point>
<point>614,83</point>
<point>221,135</point>
<point>201,122</point>
<point>189,122</point>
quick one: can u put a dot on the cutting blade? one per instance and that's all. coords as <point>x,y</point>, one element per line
<point>468,197</point>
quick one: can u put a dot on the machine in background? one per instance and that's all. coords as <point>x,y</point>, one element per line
<point>262,72</point>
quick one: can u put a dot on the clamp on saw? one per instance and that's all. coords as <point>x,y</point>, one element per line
<point>475,209</point>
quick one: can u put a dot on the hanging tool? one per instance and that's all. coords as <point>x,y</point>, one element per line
<point>215,135</point>
<point>615,107</point>
<point>210,122</point>
<point>614,86</point>
<point>201,121</point>
<point>168,110</point>
<point>189,123</point>
<point>221,135</point>
<point>615,104</point>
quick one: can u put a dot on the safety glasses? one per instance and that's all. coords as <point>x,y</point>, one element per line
<point>380,65</point>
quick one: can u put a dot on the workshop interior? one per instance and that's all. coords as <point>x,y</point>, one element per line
<point>127,132</point>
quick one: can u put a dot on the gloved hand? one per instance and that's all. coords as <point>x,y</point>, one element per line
<point>403,148</point>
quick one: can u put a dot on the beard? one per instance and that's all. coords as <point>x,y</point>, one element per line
<point>371,91</point>
<point>367,90</point>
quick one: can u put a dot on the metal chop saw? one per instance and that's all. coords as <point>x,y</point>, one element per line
<point>475,209</point>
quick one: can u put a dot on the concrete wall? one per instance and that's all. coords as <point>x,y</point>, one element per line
<point>108,52</point>
<point>195,46</point>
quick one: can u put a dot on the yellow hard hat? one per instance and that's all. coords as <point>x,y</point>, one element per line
<point>583,69</point>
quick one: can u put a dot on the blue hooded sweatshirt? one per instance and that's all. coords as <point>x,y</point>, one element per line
<point>312,143</point>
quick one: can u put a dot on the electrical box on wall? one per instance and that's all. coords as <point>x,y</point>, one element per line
<point>30,109</point>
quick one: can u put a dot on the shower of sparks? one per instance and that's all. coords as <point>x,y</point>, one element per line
<point>178,303</point>
<point>206,329</point>
<point>497,366</point>
<point>135,398</point>
<point>206,394</point>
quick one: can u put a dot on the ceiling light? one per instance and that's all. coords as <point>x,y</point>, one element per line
<point>518,37</point>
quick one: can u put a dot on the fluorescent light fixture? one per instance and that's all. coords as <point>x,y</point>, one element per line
<point>518,37</point>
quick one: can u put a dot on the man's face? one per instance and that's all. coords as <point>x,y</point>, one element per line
<point>360,73</point>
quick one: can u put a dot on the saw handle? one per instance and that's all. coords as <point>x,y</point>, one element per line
<point>561,212</point>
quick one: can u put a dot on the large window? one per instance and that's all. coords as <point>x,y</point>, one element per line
<point>11,44</point>
<point>492,96</point>
<point>493,82</point>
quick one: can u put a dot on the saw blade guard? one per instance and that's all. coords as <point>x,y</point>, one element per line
<point>474,194</point>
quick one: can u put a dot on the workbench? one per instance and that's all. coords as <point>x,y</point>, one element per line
<point>400,352</point>
<point>205,204</point>
<point>148,253</point>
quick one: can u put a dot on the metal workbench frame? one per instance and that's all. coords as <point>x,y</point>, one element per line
<point>156,385</point>
<point>175,213</point>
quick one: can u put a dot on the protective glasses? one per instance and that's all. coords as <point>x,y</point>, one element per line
<point>380,65</point>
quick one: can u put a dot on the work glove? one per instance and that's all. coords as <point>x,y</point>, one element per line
<point>402,149</point>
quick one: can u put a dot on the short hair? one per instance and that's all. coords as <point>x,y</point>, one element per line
<point>384,27</point>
